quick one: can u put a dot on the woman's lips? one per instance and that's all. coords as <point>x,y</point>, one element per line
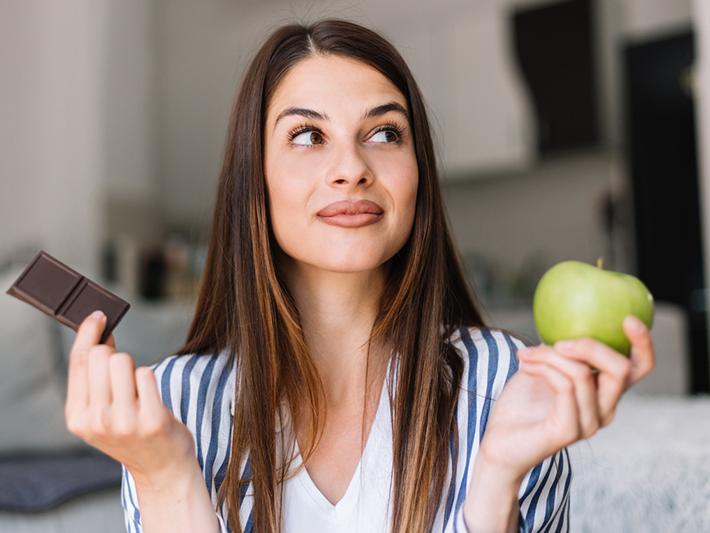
<point>352,221</point>
<point>350,207</point>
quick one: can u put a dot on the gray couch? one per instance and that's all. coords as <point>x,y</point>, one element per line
<point>53,481</point>
<point>648,471</point>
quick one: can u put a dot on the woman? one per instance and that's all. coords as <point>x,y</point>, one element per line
<point>335,329</point>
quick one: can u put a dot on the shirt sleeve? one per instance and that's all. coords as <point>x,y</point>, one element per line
<point>543,498</point>
<point>129,502</point>
<point>131,510</point>
<point>129,495</point>
<point>545,494</point>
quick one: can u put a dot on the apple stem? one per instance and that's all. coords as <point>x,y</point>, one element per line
<point>600,262</point>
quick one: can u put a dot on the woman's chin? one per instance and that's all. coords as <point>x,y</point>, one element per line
<point>342,259</point>
<point>349,264</point>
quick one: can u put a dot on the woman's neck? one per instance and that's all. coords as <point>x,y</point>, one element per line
<point>337,312</point>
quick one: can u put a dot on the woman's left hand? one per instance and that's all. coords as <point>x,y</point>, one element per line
<point>555,399</point>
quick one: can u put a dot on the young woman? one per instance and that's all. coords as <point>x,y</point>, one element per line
<point>338,375</point>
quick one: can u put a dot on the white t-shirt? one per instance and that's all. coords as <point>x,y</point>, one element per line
<point>363,507</point>
<point>199,389</point>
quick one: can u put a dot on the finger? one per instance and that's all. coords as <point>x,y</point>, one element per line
<point>88,334</point>
<point>111,341</point>
<point>149,400</point>
<point>643,357</point>
<point>585,387</point>
<point>565,410</point>
<point>123,384</point>
<point>614,369</point>
<point>99,379</point>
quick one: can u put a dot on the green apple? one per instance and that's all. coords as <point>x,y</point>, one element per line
<point>575,299</point>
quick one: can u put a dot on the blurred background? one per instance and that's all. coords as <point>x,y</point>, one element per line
<point>565,129</point>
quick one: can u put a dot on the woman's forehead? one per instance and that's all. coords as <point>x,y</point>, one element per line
<point>330,84</point>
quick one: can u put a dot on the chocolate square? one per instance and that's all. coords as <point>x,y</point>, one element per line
<point>62,293</point>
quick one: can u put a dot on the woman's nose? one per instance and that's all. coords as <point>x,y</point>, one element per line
<point>350,168</point>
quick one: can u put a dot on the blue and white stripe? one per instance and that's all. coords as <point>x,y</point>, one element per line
<point>199,389</point>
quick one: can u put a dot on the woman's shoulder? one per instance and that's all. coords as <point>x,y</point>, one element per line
<point>489,355</point>
<point>191,361</point>
<point>488,336</point>
<point>188,382</point>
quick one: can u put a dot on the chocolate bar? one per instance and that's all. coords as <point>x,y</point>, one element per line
<point>65,295</point>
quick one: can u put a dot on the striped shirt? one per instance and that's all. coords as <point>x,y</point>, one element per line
<point>199,390</point>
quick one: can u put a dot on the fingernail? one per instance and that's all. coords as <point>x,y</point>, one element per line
<point>635,324</point>
<point>564,345</point>
<point>98,315</point>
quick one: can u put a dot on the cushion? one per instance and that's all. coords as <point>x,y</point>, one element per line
<point>98,511</point>
<point>32,390</point>
<point>39,482</point>
<point>648,470</point>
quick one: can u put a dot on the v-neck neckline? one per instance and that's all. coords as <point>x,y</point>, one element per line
<point>349,497</point>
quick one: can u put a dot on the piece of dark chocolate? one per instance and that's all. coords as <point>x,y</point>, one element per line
<point>65,295</point>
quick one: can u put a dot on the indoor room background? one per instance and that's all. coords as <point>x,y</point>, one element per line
<point>564,129</point>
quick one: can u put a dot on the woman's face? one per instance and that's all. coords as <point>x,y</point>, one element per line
<point>312,161</point>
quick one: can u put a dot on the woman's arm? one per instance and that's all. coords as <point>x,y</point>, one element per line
<point>541,502</point>
<point>119,410</point>
<point>492,504</point>
<point>176,502</point>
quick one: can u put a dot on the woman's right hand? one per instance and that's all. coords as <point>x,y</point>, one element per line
<point>117,408</point>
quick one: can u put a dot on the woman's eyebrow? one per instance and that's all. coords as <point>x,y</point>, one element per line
<point>310,113</point>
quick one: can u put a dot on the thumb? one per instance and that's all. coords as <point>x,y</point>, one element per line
<point>89,332</point>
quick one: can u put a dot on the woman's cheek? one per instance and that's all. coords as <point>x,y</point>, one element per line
<point>293,221</point>
<point>284,231</point>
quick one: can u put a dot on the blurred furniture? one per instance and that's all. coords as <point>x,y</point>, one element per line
<point>647,471</point>
<point>549,39</point>
<point>468,45</point>
<point>669,333</point>
<point>662,145</point>
<point>50,480</point>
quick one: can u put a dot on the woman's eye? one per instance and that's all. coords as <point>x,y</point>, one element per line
<point>306,135</point>
<point>383,132</point>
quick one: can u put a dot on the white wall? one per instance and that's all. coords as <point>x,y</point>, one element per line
<point>202,50</point>
<point>130,101</point>
<point>130,73</point>
<point>52,128</point>
<point>77,106</point>
<point>641,18</point>
<point>550,211</point>
<point>203,54</point>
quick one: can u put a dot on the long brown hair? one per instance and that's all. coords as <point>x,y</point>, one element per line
<point>245,308</point>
